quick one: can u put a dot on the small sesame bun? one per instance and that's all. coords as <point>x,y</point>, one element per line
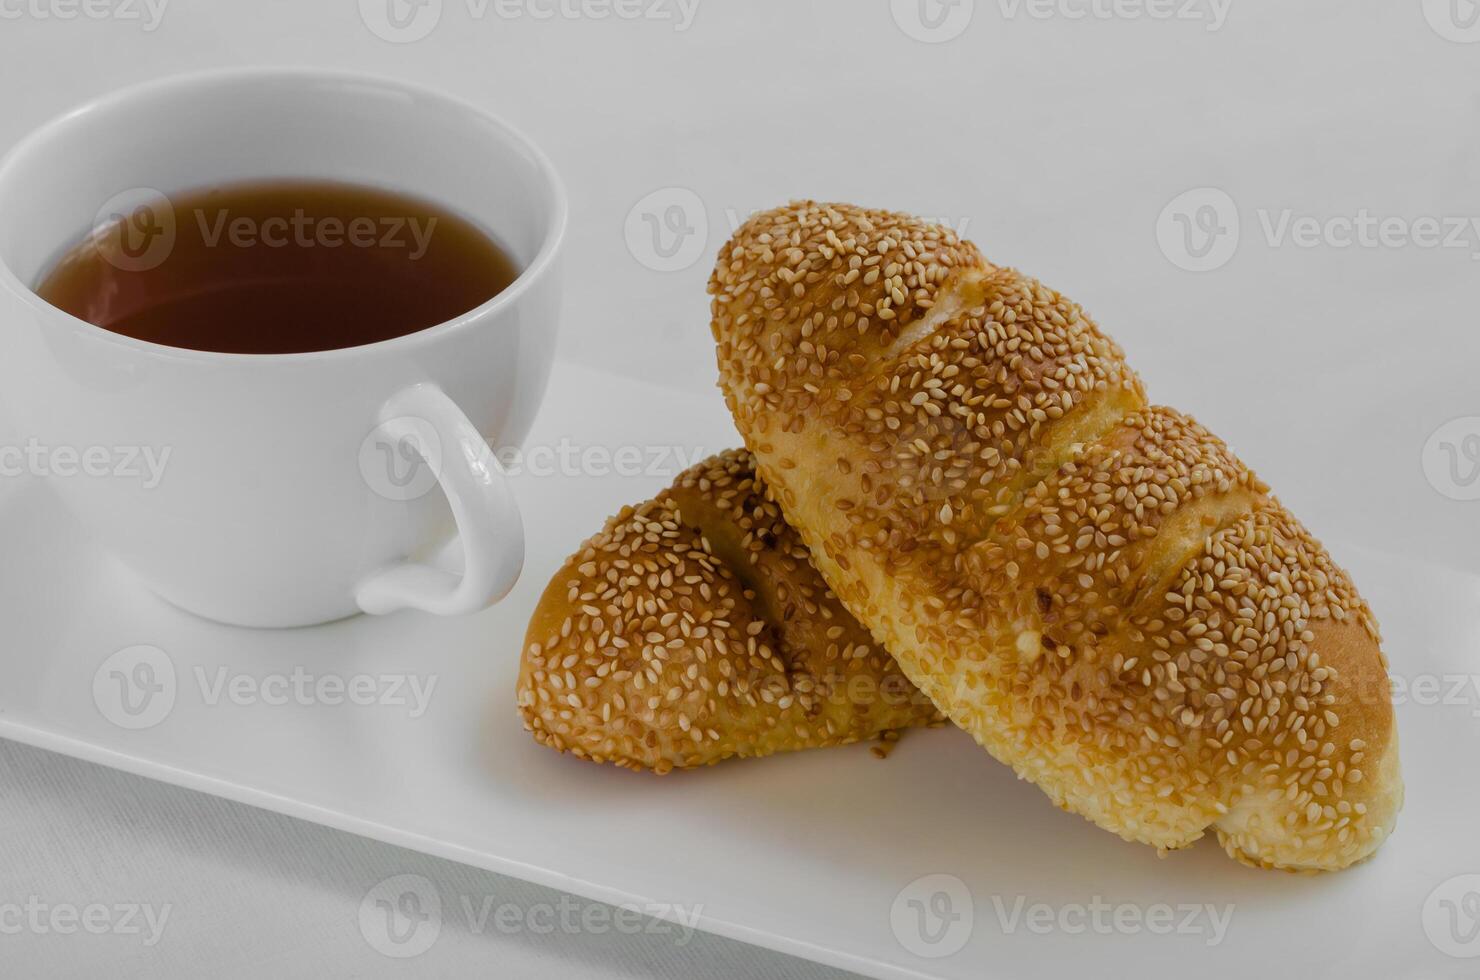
<point>693,629</point>
<point>1096,589</point>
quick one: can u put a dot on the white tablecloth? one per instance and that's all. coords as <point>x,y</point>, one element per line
<point>241,894</point>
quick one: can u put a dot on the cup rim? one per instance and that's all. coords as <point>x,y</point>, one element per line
<point>554,236</point>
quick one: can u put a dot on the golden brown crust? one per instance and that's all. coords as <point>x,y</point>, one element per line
<point>1095,588</point>
<point>694,628</point>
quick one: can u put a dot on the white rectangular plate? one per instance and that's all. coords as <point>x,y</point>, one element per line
<point>818,854</point>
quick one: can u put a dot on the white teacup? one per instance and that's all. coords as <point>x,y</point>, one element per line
<point>291,491</point>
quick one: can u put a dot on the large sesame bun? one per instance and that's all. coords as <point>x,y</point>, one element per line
<point>693,628</point>
<point>1096,589</point>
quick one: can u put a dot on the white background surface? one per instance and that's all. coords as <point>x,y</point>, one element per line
<point>1056,142</point>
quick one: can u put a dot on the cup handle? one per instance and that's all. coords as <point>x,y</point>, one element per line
<point>424,420</point>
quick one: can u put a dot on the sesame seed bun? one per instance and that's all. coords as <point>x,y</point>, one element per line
<point>693,628</point>
<point>1096,589</point>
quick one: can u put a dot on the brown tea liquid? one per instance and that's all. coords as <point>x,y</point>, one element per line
<point>278,267</point>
